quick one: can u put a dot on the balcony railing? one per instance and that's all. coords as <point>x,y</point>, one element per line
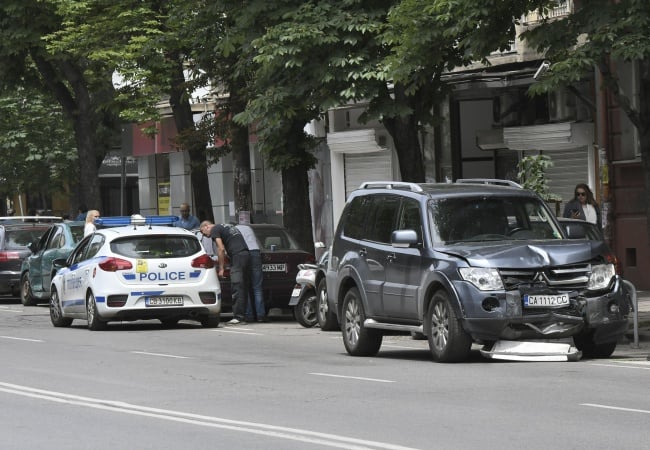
<point>563,8</point>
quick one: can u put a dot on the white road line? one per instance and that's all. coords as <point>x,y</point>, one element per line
<point>238,331</point>
<point>378,380</point>
<point>621,366</point>
<point>5,309</point>
<point>294,434</point>
<point>404,346</point>
<point>161,354</point>
<point>616,408</point>
<point>21,339</point>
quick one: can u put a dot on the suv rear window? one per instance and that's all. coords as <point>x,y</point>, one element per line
<point>156,246</point>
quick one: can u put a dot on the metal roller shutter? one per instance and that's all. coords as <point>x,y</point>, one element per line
<point>570,167</point>
<point>375,166</point>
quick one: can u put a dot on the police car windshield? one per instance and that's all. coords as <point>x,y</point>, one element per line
<point>156,246</point>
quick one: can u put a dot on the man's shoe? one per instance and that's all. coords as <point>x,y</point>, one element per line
<point>263,319</point>
<point>234,321</point>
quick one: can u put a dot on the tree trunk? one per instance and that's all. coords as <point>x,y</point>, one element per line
<point>241,153</point>
<point>404,131</point>
<point>184,120</point>
<point>297,211</point>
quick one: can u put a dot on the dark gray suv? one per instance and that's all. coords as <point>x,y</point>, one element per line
<point>468,262</point>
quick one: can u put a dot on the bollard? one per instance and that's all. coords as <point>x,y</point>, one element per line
<point>635,316</point>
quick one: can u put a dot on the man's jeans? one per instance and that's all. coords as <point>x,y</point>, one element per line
<point>256,294</point>
<point>239,268</point>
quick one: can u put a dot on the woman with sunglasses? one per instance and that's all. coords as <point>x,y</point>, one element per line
<point>583,205</point>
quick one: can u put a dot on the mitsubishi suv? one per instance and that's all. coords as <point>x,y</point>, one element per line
<point>475,261</point>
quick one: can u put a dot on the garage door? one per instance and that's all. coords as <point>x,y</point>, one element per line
<point>570,167</point>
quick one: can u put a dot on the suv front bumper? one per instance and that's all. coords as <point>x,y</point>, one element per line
<point>494,316</point>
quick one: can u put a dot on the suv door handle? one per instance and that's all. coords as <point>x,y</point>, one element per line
<point>363,252</point>
<point>391,257</point>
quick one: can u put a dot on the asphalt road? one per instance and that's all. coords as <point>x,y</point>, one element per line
<point>281,386</point>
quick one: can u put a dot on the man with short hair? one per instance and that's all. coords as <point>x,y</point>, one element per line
<point>186,220</point>
<point>230,240</point>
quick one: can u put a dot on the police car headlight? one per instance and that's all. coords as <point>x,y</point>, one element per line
<point>483,278</point>
<point>601,276</point>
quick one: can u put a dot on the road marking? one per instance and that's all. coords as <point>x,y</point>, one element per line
<point>239,331</point>
<point>404,346</point>
<point>621,366</point>
<point>378,380</point>
<point>161,354</point>
<point>21,339</point>
<point>294,434</point>
<point>5,309</point>
<point>616,408</point>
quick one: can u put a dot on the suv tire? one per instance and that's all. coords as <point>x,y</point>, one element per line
<point>358,340</point>
<point>327,319</point>
<point>585,343</point>
<point>448,341</point>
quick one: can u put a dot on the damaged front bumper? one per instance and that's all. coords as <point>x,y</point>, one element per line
<point>504,316</point>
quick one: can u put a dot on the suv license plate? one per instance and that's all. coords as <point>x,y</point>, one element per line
<point>546,301</point>
<point>164,301</point>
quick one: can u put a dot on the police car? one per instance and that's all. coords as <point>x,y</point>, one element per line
<point>135,268</point>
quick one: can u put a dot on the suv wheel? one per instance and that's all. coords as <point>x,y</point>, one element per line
<point>448,341</point>
<point>26,297</point>
<point>326,318</point>
<point>585,343</point>
<point>358,340</point>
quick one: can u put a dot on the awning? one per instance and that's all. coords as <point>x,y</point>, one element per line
<point>356,141</point>
<point>553,136</point>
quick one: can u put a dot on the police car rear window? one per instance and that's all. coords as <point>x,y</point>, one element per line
<point>156,247</point>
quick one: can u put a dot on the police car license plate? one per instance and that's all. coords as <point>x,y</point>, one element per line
<point>163,301</point>
<point>546,301</point>
<point>274,267</point>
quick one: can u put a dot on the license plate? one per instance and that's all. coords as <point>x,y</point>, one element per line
<point>164,301</point>
<point>296,292</point>
<point>546,301</point>
<point>274,267</point>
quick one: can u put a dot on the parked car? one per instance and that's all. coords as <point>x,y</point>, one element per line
<point>281,255</point>
<point>134,272</point>
<point>15,237</point>
<point>467,263</point>
<point>37,271</point>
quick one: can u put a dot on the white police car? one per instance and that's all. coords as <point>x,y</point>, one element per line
<point>142,270</point>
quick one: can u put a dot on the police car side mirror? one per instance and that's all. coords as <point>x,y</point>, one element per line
<point>59,263</point>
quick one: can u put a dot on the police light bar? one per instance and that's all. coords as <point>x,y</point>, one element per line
<point>135,219</point>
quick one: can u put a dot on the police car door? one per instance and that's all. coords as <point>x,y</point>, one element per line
<point>73,295</point>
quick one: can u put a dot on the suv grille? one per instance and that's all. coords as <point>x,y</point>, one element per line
<point>574,277</point>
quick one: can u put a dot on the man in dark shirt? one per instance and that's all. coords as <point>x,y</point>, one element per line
<point>230,240</point>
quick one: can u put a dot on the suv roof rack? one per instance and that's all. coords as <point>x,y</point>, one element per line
<point>494,181</point>
<point>403,185</point>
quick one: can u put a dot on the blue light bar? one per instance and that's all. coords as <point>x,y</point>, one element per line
<point>136,219</point>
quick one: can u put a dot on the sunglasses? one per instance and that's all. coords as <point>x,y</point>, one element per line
<point>581,194</point>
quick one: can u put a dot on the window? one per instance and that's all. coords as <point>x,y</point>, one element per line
<point>410,217</point>
<point>156,246</point>
<point>382,224</point>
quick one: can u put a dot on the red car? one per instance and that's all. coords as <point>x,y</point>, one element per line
<point>280,258</point>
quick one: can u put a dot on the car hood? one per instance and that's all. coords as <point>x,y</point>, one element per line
<point>529,254</point>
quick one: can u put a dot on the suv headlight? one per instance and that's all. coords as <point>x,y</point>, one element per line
<point>601,276</point>
<point>483,278</point>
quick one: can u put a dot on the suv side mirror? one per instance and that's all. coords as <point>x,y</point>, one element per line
<point>403,238</point>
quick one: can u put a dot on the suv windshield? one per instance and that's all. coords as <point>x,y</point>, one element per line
<point>462,219</point>
<point>156,247</point>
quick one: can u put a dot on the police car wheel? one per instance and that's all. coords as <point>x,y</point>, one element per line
<point>94,322</point>
<point>210,322</point>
